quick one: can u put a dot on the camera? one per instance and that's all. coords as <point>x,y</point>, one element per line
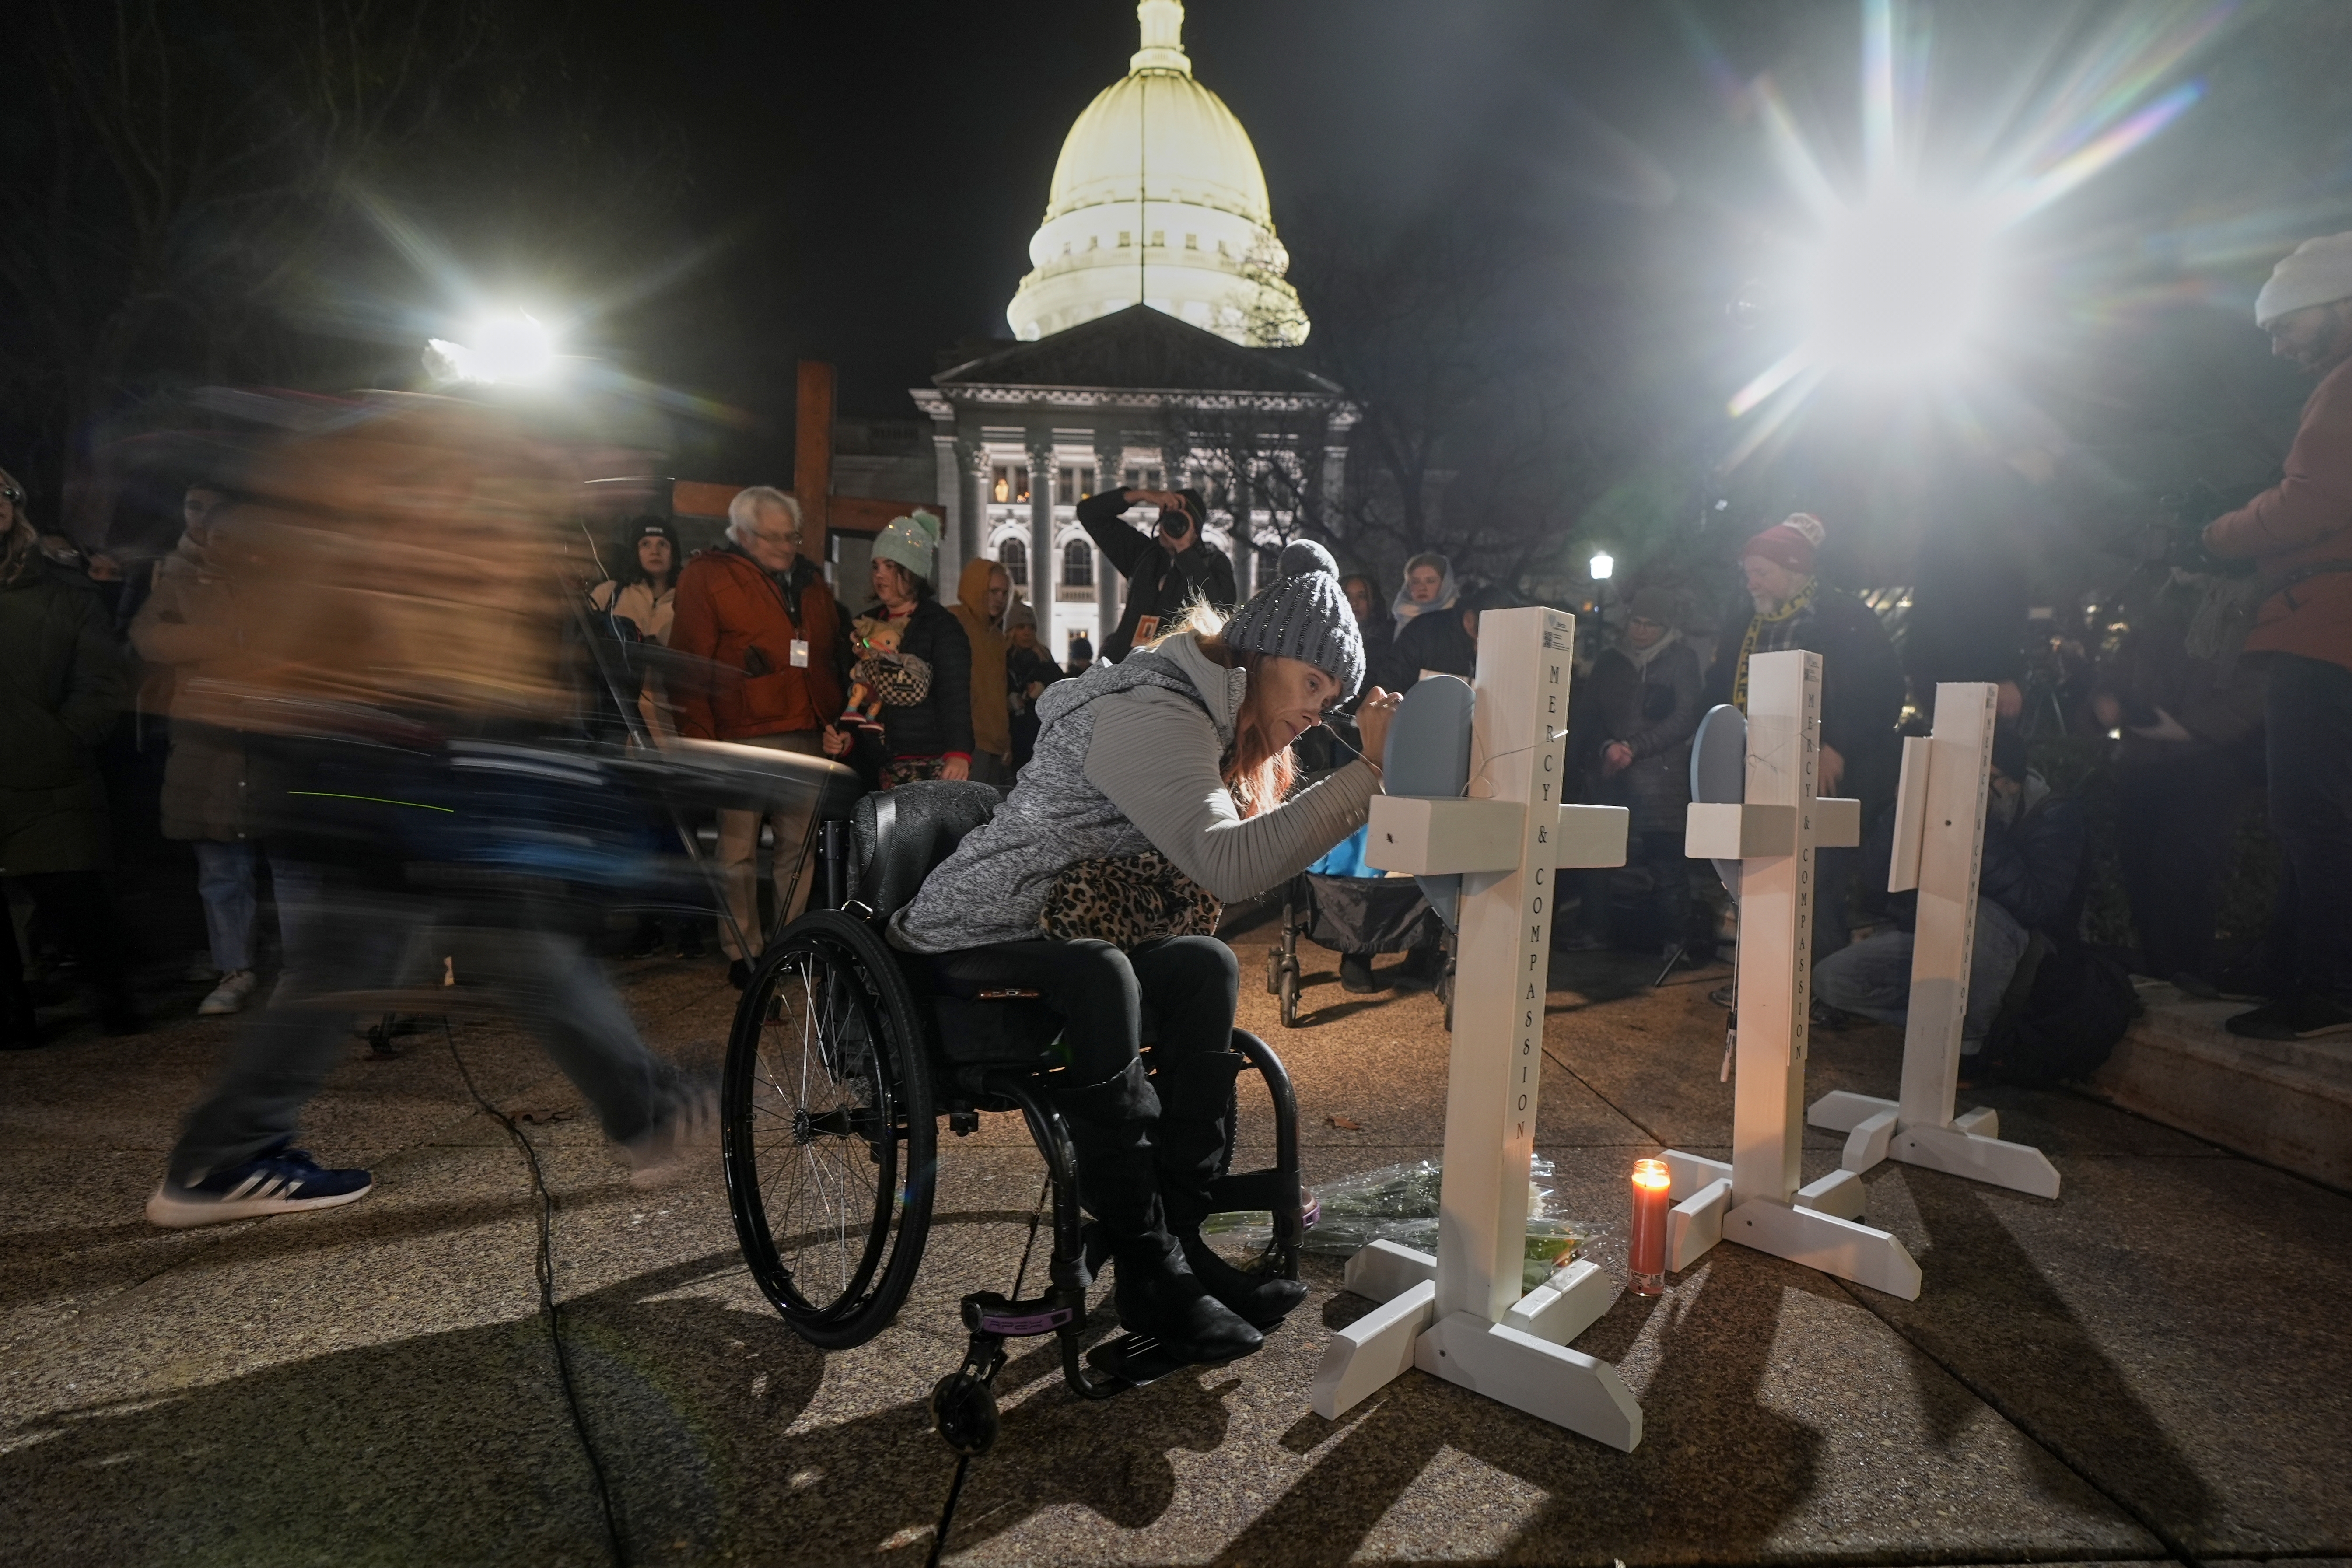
<point>1173,524</point>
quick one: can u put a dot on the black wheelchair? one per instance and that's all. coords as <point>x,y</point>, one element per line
<point>842,1060</point>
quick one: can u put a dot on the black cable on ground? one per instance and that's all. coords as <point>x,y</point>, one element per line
<point>547,1304</point>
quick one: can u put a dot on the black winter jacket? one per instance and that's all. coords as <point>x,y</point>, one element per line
<point>1434,639</point>
<point>941,723</point>
<point>1158,584</point>
<point>2032,868</point>
<point>1653,707</point>
<point>1861,688</point>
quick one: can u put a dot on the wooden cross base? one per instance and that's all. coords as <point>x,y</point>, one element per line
<point>1968,1145</point>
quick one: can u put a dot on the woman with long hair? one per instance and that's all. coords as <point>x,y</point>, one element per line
<point>1162,782</point>
<point>643,591</point>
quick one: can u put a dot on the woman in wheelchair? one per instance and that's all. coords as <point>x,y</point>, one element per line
<point>1159,789</point>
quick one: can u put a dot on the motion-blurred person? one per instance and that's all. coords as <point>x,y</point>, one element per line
<point>63,680</point>
<point>2299,536</point>
<point>926,715</point>
<point>393,695</point>
<point>1634,719</point>
<point>1167,570</point>
<point>2188,751</point>
<point>2030,878</point>
<point>762,620</point>
<point>189,624</point>
<point>1082,655</point>
<point>1027,673</point>
<point>1861,687</point>
<point>981,595</point>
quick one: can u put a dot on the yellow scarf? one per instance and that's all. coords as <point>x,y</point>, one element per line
<point>1799,601</point>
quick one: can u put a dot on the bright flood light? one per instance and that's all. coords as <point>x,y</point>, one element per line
<point>510,348</point>
<point>1600,565</point>
<point>1898,285</point>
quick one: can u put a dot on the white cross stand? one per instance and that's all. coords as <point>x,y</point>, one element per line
<point>1461,1315</point>
<point>1755,1200</point>
<point>1939,829</point>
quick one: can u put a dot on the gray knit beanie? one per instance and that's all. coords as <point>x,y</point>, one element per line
<point>1303,614</point>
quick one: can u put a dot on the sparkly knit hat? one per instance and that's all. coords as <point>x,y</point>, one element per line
<point>1303,615</point>
<point>913,543</point>
<point>1790,542</point>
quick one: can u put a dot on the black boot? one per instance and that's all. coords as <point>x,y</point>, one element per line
<point>1111,1125</point>
<point>1196,1096</point>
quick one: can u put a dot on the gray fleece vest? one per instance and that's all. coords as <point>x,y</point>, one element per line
<point>993,888</point>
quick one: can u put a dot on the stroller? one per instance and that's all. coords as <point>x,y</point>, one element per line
<point>1355,914</point>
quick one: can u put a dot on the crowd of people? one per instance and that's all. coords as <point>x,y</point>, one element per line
<point>316,722</point>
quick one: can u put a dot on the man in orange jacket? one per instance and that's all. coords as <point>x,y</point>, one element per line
<point>2299,533</point>
<point>758,615</point>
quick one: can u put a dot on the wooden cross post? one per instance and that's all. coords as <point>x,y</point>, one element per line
<point>1939,830</point>
<point>1755,1199</point>
<point>1461,1315</point>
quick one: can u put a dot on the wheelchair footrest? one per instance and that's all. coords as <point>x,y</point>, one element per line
<point>1138,1360</point>
<point>991,1312</point>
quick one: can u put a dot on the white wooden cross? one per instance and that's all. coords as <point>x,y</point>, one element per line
<point>1461,1314</point>
<point>1939,830</point>
<point>1755,1199</point>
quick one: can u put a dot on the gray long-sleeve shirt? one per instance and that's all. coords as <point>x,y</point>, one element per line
<point>1127,760</point>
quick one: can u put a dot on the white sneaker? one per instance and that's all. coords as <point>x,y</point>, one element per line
<point>229,995</point>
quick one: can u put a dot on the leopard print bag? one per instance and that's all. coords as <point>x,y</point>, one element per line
<point>1126,901</point>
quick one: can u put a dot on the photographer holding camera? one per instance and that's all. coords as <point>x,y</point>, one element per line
<point>1166,569</point>
<point>2298,534</point>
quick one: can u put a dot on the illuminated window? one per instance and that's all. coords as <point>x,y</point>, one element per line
<point>1077,565</point>
<point>1125,239</point>
<point>1003,487</point>
<point>1021,484</point>
<point>1086,483</point>
<point>1159,237</point>
<point>1065,486</point>
<point>1143,479</point>
<point>1014,556</point>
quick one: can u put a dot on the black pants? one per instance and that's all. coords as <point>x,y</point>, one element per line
<point>2309,715</point>
<point>2172,836</point>
<point>79,906</point>
<point>1667,910</point>
<point>1186,987</point>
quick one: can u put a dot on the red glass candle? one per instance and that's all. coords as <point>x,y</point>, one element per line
<point>1653,1195</point>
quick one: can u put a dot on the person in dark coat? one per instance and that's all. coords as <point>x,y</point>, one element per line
<point>63,680</point>
<point>2189,752</point>
<point>1027,672</point>
<point>929,739</point>
<point>1443,642</point>
<point>1632,729</point>
<point>1861,687</point>
<point>1379,630</point>
<point>2030,878</point>
<point>1166,570</point>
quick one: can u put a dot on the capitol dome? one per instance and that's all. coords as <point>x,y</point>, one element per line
<point>1157,197</point>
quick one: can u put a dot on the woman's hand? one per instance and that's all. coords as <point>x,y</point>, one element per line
<point>1615,758</point>
<point>835,741</point>
<point>957,768</point>
<point>1372,716</point>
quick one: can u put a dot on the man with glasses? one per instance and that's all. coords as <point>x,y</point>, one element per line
<point>759,617</point>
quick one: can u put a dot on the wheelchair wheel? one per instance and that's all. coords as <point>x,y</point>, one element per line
<point>1290,995</point>
<point>829,1136</point>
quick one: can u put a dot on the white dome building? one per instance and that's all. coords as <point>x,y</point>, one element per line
<point>1158,199</point>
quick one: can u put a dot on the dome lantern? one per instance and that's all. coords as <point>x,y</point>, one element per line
<point>1158,199</point>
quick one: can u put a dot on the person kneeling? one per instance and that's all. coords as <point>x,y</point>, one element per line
<point>1157,792</point>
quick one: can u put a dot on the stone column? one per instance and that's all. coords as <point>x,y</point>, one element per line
<point>1335,471</point>
<point>1045,561</point>
<point>973,535</point>
<point>1110,473</point>
<point>953,496</point>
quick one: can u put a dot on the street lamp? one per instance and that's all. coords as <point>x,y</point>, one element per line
<point>1600,565</point>
<point>511,348</point>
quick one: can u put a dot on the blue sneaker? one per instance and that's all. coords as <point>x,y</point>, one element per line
<point>283,1181</point>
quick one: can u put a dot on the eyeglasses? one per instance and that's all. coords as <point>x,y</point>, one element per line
<point>12,495</point>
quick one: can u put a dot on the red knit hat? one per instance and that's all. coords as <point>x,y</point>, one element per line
<point>1790,542</point>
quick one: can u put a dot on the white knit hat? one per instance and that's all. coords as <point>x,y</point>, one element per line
<point>913,541</point>
<point>2318,273</point>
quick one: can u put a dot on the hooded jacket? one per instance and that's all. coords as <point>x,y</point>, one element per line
<point>741,621</point>
<point>991,720</point>
<point>1127,760</point>
<point>62,681</point>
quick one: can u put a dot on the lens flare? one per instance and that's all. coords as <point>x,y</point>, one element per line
<point>513,348</point>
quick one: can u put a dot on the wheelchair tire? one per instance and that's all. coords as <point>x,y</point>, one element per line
<point>829,1135</point>
<point>1290,996</point>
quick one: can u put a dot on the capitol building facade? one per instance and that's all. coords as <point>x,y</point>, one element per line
<point>1153,344</point>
